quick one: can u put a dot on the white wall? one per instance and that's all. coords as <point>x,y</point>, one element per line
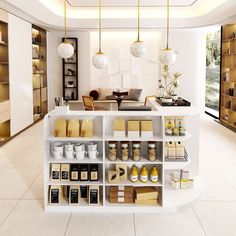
<point>139,73</point>
<point>191,62</point>
<point>20,73</point>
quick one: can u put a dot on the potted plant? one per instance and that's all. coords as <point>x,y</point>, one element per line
<point>168,84</point>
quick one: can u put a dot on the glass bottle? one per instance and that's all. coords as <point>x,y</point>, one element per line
<point>154,174</point>
<point>152,151</point>
<point>112,151</point>
<point>124,151</point>
<point>136,151</point>
<point>144,174</point>
<point>134,174</point>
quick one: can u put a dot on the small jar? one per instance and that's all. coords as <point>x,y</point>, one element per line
<point>124,152</point>
<point>152,153</point>
<point>112,151</point>
<point>136,151</point>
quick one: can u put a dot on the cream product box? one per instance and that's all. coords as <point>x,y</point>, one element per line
<point>183,184</point>
<point>113,176</point>
<point>146,128</point>
<point>93,195</point>
<point>55,194</point>
<point>175,174</point>
<point>175,183</point>
<point>169,125</point>
<point>122,168</point>
<point>171,150</point>
<point>180,152</point>
<point>65,172</point>
<point>119,128</point>
<point>133,129</point>
<point>55,172</point>
<point>74,196</point>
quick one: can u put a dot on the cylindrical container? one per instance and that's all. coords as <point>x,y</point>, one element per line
<point>124,152</point>
<point>144,174</point>
<point>112,151</point>
<point>136,151</point>
<point>134,174</point>
<point>152,151</point>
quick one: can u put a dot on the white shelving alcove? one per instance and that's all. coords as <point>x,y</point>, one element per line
<point>170,200</point>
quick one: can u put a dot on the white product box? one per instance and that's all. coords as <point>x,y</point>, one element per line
<point>147,134</point>
<point>175,183</point>
<point>185,174</point>
<point>190,183</point>
<point>119,134</point>
<point>133,134</point>
<point>183,184</point>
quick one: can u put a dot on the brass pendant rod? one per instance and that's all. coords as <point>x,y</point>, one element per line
<point>65,21</point>
<point>100,26</point>
<point>138,21</point>
<point>168,24</point>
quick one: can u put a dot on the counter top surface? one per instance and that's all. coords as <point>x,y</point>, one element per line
<point>158,110</point>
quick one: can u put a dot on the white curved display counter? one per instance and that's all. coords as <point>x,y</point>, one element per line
<point>169,199</point>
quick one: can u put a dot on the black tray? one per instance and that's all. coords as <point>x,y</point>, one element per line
<point>180,102</point>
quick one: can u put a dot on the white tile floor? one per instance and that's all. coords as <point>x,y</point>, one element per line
<point>21,195</point>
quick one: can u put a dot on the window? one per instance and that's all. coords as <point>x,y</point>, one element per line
<point>213,58</point>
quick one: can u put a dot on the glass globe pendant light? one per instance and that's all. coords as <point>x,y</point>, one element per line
<point>137,49</point>
<point>100,59</point>
<point>167,55</point>
<point>65,50</point>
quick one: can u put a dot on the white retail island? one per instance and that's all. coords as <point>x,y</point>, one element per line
<point>170,200</point>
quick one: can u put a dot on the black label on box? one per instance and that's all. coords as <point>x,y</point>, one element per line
<point>55,174</point>
<point>65,175</point>
<point>93,196</point>
<point>54,195</point>
<point>74,196</point>
<point>83,191</point>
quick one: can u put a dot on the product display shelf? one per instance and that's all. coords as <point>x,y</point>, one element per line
<point>86,160</point>
<point>103,121</point>
<point>137,184</point>
<point>154,138</point>
<point>143,160</point>
<point>74,139</point>
<point>63,183</point>
<point>175,165</point>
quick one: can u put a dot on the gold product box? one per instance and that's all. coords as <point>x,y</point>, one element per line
<point>145,193</point>
<point>146,125</point>
<point>133,125</point>
<point>146,202</point>
<point>86,128</point>
<point>122,168</point>
<point>113,176</point>
<point>133,129</point>
<point>119,124</point>
<point>119,128</point>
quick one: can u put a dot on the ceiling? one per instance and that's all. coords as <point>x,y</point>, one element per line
<point>130,3</point>
<point>122,14</point>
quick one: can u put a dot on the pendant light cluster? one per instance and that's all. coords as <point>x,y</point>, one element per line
<point>65,50</point>
<point>137,49</point>
<point>168,55</point>
<point>100,59</point>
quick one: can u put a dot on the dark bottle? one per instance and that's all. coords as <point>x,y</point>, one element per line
<point>93,173</point>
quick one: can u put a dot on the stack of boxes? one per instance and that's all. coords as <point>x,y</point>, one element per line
<point>135,128</point>
<point>179,179</point>
<point>146,195</point>
<point>121,194</point>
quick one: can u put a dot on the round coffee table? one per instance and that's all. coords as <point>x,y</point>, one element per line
<point>118,99</point>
